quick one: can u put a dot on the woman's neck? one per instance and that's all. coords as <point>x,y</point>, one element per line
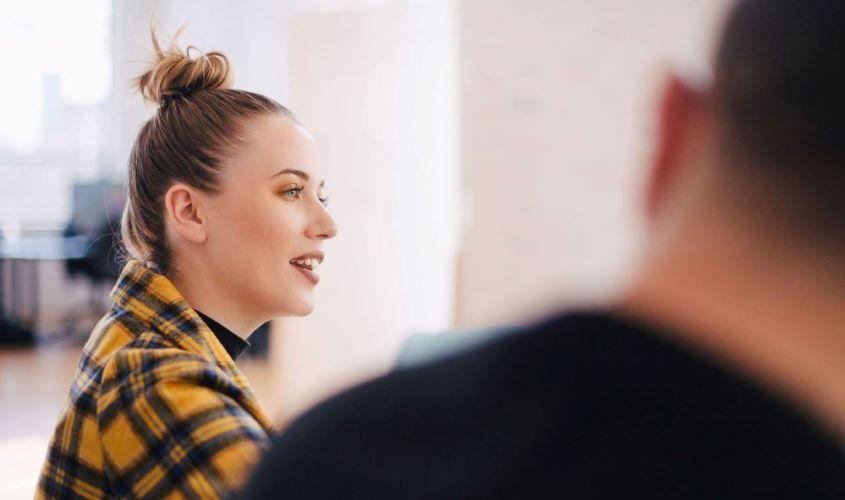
<point>204,293</point>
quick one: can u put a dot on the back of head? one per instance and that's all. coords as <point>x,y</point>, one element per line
<point>780,92</point>
<point>199,121</point>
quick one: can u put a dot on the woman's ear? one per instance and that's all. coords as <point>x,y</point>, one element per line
<point>184,214</point>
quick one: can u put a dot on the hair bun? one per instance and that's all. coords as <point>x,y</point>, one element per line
<point>174,73</point>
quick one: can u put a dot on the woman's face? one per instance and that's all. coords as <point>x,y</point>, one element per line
<point>267,224</point>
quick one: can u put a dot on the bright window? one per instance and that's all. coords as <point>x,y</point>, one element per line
<point>54,97</point>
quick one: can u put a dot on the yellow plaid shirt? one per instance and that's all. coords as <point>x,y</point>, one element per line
<point>157,407</point>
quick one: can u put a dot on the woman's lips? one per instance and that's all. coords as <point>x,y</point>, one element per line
<point>311,275</point>
<point>309,264</point>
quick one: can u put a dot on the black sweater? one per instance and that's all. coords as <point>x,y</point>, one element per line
<point>582,406</point>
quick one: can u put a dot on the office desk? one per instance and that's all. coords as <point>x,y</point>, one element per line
<point>26,253</point>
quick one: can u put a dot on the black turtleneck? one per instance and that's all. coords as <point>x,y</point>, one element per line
<point>233,344</point>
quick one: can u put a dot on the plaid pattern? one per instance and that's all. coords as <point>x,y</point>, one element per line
<point>157,407</point>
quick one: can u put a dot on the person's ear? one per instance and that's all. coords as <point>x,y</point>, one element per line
<point>184,214</point>
<point>677,108</point>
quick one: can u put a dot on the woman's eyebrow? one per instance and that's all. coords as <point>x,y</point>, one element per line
<point>298,173</point>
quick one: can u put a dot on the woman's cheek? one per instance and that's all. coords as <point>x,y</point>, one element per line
<point>257,218</point>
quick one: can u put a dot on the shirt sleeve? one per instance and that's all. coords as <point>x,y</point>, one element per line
<point>170,422</point>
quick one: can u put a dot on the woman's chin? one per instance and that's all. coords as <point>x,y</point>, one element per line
<point>301,308</point>
<point>289,303</point>
<point>304,312</point>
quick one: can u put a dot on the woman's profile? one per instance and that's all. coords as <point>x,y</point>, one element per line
<point>224,226</point>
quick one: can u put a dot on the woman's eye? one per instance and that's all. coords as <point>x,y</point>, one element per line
<point>292,192</point>
<point>324,200</point>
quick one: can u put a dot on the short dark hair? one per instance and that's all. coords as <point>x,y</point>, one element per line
<point>780,90</point>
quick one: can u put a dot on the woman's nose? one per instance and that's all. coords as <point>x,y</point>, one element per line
<point>324,226</point>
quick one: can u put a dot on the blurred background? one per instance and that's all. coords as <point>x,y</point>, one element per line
<point>484,159</point>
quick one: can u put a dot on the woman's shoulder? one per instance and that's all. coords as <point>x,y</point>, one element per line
<point>151,359</point>
<point>122,350</point>
<point>145,372</point>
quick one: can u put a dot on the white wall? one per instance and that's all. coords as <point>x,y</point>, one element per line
<point>377,87</point>
<point>556,99</point>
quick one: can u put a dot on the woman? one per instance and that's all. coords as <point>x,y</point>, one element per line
<point>225,222</point>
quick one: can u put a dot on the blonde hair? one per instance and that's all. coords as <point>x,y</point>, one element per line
<point>198,123</point>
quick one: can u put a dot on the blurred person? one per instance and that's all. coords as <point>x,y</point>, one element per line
<point>225,222</point>
<point>719,373</point>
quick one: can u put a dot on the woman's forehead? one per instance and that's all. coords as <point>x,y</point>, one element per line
<point>277,143</point>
